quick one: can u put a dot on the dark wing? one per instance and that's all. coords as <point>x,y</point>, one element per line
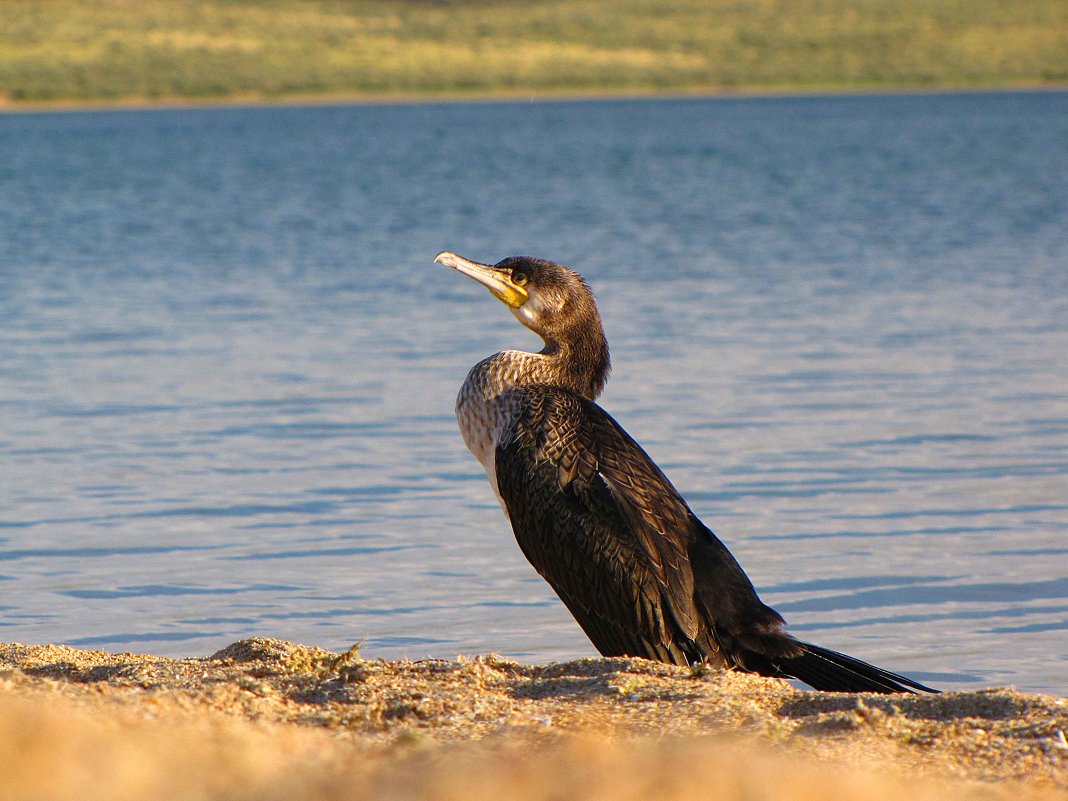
<point>640,573</point>
<point>603,525</point>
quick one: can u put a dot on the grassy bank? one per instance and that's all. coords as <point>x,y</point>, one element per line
<point>109,50</point>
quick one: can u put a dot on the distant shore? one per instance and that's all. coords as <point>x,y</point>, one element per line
<point>269,719</point>
<point>210,51</point>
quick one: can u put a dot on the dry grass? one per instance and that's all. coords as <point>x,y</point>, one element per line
<point>266,719</point>
<point>156,49</point>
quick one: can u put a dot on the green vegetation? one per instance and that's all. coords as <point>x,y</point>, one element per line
<point>100,50</point>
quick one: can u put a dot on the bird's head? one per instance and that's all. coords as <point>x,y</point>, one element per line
<point>549,299</point>
<point>557,305</point>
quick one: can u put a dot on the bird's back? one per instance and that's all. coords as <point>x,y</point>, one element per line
<point>609,532</point>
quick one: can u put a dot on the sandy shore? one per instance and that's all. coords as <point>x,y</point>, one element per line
<point>512,96</point>
<point>268,719</point>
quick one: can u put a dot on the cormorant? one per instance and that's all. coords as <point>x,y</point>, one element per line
<point>598,519</point>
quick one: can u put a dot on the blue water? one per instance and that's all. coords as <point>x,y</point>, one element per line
<point>840,325</point>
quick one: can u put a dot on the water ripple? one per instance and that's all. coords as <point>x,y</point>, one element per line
<point>227,392</point>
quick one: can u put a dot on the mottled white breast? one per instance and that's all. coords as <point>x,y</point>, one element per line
<point>483,411</point>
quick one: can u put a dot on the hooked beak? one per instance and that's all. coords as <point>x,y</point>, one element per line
<point>497,281</point>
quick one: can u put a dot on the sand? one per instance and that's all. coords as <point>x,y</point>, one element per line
<point>269,719</point>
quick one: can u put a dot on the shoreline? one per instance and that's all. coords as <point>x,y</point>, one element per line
<point>357,727</point>
<point>13,107</point>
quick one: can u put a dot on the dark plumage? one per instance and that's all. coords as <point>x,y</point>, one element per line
<point>598,519</point>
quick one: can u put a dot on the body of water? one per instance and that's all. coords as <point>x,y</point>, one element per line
<point>840,325</point>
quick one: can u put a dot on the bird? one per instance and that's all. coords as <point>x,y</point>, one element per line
<point>595,516</point>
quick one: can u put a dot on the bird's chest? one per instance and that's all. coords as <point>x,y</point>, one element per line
<point>483,409</point>
<point>483,421</point>
<point>488,404</point>
<point>480,423</point>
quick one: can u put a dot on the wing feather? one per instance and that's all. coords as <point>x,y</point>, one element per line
<point>640,573</point>
<point>601,523</point>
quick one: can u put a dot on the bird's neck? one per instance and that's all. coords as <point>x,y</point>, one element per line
<point>581,367</point>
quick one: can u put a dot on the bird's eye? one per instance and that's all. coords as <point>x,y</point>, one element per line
<point>519,279</point>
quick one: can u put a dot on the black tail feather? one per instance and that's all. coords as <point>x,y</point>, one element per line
<point>830,671</point>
